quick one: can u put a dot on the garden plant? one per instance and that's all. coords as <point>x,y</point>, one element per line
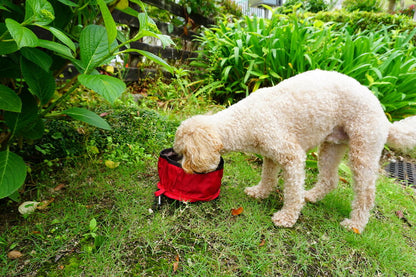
<point>38,39</point>
<point>241,56</point>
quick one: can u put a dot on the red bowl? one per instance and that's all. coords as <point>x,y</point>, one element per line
<point>175,183</point>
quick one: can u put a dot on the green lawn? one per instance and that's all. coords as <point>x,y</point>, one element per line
<point>133,238</point>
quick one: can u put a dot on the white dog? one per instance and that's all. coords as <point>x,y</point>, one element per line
<point>282,123</point>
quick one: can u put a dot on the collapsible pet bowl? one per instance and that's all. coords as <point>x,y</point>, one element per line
<point>175,183</point>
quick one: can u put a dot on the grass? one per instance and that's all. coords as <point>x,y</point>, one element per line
<point>134,238</point>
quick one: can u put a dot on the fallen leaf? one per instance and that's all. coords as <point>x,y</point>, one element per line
<point>59,187</point>
<point>176,263</point>
<point>14,254</point>
<point>175,266</point>
<point>236,212</point>
<point>355,230</point>
<point>104,114</point>
<point>343,180</point>
<point>28,207</point>
<point>111,164</point>
<point>44,204</point>
<point>80,131</point>
<point>262,242</point>
<point>400,214</point>
<point>61,267</point>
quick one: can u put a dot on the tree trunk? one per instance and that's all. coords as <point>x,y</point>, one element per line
<point>392,4</point>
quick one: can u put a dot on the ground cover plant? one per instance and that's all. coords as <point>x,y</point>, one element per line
<point>102,220</point>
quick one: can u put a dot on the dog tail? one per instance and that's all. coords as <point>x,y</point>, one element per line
<point>402,134</point>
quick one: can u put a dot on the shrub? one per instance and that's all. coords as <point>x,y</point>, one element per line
<point>38,39</point>
<point>247,54</point>
<point>359,21</point>
<point>368,6</point>
<point>313,6</point>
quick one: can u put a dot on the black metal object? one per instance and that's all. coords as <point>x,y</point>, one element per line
<point>403,171</point>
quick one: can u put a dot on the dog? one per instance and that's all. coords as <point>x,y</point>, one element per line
<point>316,108</point>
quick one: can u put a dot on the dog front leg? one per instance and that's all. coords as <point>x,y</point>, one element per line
<point>294,193</point>
<point>268,180</point>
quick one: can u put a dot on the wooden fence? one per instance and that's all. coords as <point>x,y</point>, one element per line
<point>186,35</point>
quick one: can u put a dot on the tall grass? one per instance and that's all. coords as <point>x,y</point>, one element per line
<point>241,56</point>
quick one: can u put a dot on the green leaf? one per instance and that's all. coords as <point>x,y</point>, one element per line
<point>39,11</point>
<point>68,3</point>
<point>87,116</point>
<point>152,57</point>
<point>27,123</point>
<point>21,35</point>
<point>41,83</point>
<point>38,57</point>
<point>93,225</point>
<point>12,173</point>
<point>62,37</point>
<point>9,101</point>
<point>109,23</point>
<point>7,47</point>
<point>109,87</point>
<point>58,48</point>
<point>94,48</point>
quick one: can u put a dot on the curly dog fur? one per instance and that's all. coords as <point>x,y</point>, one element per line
<point>281,123</point>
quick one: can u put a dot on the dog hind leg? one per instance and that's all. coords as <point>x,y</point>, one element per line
<point>268,180</point>
<point>330,155</point>
<point>364,159</point>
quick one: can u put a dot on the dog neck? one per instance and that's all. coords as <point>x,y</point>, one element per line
<point>230,130</point>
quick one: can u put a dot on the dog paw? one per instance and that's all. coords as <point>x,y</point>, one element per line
<point>353,226</point>
<point>284,219</point>
<point>256,192</point>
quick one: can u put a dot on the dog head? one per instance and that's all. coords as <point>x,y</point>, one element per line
<point>199,143</point>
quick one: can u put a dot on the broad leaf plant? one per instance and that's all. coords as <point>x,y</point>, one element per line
<point>38,39</point>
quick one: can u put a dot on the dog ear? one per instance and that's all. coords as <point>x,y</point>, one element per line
<point>200,146</point>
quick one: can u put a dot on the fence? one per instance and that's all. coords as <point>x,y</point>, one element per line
<point>186,35</point>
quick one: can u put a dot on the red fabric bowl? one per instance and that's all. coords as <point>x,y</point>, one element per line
<point>175,183</point>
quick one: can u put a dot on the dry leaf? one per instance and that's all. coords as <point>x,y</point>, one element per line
<point>81,131</point>
<point>44,204</point>
<point>356,230</point>
<point>262,242</point>
<point>400,214</point>
<point>59,187</point>
<point>104,114</point>
<point>343,180</point>
<point>176,264</point>
<point>236,212</point>
<point>14,254</point>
